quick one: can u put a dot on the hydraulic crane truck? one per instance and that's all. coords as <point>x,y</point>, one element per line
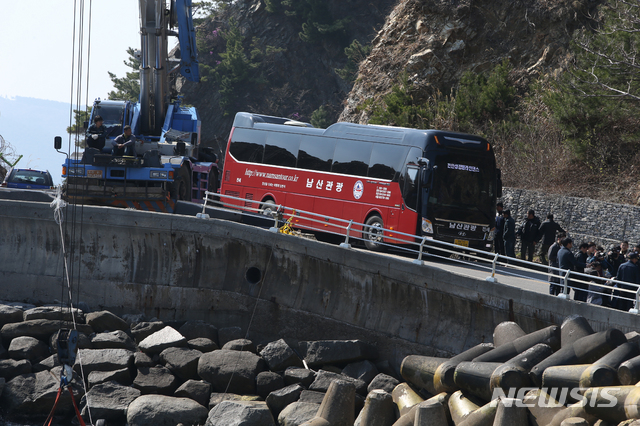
<point>169,164</point>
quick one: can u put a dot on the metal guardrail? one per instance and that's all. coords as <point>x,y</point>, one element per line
<point>418,246</point>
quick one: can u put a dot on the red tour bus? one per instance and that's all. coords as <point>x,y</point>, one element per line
<point>432,183</point>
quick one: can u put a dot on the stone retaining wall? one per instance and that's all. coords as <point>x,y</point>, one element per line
<point>585,219</point>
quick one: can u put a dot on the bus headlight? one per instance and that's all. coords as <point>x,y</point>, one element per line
<point>427,226</point>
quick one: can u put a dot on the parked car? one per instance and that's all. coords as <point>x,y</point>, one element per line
<point>28,179</point>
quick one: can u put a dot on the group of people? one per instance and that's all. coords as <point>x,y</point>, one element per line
<point>619,262</point>
<point>124,144</point>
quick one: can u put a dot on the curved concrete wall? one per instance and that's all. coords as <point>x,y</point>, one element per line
<point>178,268</point>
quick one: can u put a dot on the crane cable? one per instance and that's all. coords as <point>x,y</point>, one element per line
<point>58,204</point>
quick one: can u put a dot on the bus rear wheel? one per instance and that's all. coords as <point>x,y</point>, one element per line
<point>268,208</point>
<point>373,233</point>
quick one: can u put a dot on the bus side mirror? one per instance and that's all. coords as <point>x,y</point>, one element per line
<point>57,143</point>
<point>424,162</point>
<point>85,125</point>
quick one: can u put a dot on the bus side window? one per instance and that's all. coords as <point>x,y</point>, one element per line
<point>247,145</point>
<point>316,153</point>
<point>410,187</point>
<point>281,149</point>
<point>386,161</point>
<point>352,157</point>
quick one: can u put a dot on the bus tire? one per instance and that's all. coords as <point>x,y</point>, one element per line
<point>372,234</point>
<point>268,207</point>
<point>181,186</point>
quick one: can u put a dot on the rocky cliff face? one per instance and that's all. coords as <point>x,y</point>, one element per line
<point>299,79</point>
<point>435,42</point>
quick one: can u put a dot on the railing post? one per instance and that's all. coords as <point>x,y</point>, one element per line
<point>419,261</point>
<point>636,307</point>
<point>204,215</point>
<point>346,240</point>
<point>492,278</point>
<point>275,228</point>
<point>565,291</point>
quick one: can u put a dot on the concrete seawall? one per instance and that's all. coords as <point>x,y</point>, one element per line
<point>179,268</point>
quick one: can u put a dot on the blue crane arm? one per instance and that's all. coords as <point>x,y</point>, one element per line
<point>187,37</point>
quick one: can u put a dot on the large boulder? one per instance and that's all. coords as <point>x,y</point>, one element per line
<point>143,330</point>
<point>240,413</point>
<point>113,340</point>
<point>217,368</point>
<point>362,370</point>
<point>162,339</point>
<point>35,393</point>
<point>240,345</point>
<point>279,356</point>
<point>109,401</point>
<point>267,382</point>
<point>106,321</point>
<point>199,329</point>
<point>10,368</point>
<point>122,376</point>
<point>183,362</point>
<point>103,360</point>
<point>155,380</point>
<point>384,382</point>
<point>303,376</point>
<point>297,413</point>
<point>41,329</point>
<point>9,314</point>
<point>323,352</point>
<point>160,410</point>
<point>277,400</point>
<point>54,313</point>
<point>202,344</point>
<point>324,379</point>
<point>28,348</point>
<point>198,390</point>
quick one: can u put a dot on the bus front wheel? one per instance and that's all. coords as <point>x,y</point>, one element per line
<point>373,233</point>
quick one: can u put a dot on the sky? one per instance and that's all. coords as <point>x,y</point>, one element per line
<point>37,53</point>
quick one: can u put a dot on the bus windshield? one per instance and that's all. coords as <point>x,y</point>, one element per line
<point>462,190</point>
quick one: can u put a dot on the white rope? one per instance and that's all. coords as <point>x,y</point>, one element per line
<point>58,204</point>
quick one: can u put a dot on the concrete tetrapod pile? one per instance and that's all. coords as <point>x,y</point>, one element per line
<point>558,376</point>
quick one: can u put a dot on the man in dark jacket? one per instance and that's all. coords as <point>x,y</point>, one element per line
<point>529,235</point>
<point>125,144</point>
<point>566,260</point>
<point>509,234</point>
<point>554,280</point>
<point>96,133</point>
<point>548,231</point>
<point>497,238</point>
<point>629,273</point>
<point>614,259</point>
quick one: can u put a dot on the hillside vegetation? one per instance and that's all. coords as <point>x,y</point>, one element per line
<point>553,84</point>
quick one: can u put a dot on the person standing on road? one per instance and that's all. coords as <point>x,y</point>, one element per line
<point>629,273</point>
<point>529,236</point>
<point>547,232</point>
<point>554,280</point>
<point>566,260</point>
<point>509,234</point>
<point>498,237</point>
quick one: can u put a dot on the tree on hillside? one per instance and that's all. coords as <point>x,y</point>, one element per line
<point>128,87</point>
<point>597,103</point>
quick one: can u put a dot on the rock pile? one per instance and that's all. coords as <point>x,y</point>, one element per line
<point>140,373</point>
